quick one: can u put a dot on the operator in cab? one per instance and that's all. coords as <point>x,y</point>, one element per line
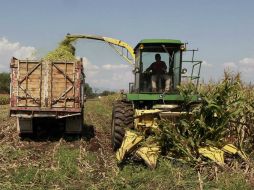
<point>159,71</point>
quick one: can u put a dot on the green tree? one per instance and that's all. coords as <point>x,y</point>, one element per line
<point>4,82</point>
<point>88,91</point>
<point>107,92</point>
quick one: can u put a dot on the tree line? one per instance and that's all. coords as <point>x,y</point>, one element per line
<point>90,93</point>
<point>4,83</point>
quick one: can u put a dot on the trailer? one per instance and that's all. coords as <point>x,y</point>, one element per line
<point>43,92</point>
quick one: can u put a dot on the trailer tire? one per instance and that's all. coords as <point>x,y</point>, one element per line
<point>24,126</point>
<point>74,125</point>
<point>122,118</point>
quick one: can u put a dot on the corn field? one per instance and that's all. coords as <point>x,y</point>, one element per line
<point>225,116</point>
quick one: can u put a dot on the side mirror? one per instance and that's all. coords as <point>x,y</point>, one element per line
<point>184,70</point>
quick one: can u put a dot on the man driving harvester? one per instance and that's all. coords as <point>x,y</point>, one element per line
<point>159,70</point>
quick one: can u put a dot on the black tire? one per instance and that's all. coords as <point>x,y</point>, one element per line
<point>122,118</point>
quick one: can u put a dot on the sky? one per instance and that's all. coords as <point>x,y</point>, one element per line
<point>222,30</point>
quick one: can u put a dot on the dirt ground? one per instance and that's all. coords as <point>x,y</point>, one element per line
<point>45,153</point>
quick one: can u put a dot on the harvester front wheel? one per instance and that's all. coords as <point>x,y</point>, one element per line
<point>122,118</point>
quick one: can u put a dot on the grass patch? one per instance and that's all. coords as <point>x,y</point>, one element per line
<point>24,175</point>
<point>229,180</point>
<point>11,153</point>
<point>4,99</point>
<point>166,176</point>
<point>67,162</point>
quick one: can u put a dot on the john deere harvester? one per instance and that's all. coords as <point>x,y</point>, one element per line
<point>135,117</point>
<point>152,96</point>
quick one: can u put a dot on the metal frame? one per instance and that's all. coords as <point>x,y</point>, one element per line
<point>195,64</point>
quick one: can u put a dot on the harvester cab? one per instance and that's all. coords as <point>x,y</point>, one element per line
<point>169,51</point>
<point>142,92</point>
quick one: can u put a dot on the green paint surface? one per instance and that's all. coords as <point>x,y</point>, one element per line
<point>166,97</point>
<point>160,41</point>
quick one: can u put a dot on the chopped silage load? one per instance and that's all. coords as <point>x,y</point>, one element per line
<point>64,52</point>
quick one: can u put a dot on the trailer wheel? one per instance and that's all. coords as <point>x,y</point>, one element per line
<point>24,126</point>
<point>74,125</point>
<point>122,118</point>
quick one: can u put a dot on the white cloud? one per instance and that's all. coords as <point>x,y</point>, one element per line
<point>245,66</point>
<point>5,45</point>
<point>13,49</point>
<point>230,65</point>
<point>88,65</point>
<point>248,62</point>
<point>113,67</point>
<point>25,53</point>
<point>107,76</point>
<point>91,70</point>
<point>205,64</point>
<point>122,76</point>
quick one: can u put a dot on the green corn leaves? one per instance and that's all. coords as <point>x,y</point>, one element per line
<point>226,115</point>
<point>64,52</point>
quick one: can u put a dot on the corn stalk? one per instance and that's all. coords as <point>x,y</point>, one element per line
<point>224,116</point>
